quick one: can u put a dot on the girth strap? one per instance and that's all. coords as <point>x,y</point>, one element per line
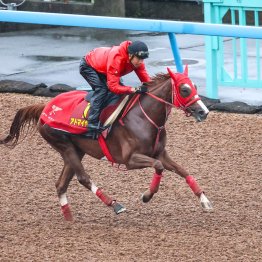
<point>104,147</point>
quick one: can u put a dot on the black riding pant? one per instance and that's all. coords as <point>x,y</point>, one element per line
<point>97,81</point>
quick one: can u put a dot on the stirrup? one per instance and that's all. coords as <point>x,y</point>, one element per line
<point>92,134</point>
<point>94,131</point>
<point>100,128</point>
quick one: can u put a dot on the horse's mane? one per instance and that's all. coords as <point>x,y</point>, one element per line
<point>157,80</point>
<point>160,77</point>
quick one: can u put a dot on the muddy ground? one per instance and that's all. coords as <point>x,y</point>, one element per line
<point>224,153</point>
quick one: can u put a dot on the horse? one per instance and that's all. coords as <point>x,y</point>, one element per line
<point>136,139</point>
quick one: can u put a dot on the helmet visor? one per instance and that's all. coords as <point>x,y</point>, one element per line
<point>142,54</point>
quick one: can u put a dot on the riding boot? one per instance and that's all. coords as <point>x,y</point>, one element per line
<point>96,103</point>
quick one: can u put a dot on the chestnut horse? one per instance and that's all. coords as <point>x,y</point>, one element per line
<point>137,138</point>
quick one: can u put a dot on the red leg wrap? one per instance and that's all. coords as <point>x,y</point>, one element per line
<point>155,183</point>
<point>67,212</point>
<point>106,199</point>
<point>194,185</point>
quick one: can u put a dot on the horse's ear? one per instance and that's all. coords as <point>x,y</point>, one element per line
<point>186,70</point>
<point>171,73</point>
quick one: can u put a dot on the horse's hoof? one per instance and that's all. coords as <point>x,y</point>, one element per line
<point>146,197</point>
<point>118,208</point>
<point>207,207</point>
<point>205,203</point>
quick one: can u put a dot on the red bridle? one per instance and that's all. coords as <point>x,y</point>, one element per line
<point>178,101</point>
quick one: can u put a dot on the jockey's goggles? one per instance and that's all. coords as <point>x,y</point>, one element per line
<point>142,54</point>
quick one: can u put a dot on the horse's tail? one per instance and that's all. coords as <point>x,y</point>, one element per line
<point>25,117</point>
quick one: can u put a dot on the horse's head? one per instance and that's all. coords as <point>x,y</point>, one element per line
<point>185,95</point>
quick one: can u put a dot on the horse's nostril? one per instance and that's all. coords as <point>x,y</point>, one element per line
<point>201,112</point>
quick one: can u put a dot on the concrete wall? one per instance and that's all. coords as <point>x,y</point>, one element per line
<point>101,7</point>
<point>178,10</point>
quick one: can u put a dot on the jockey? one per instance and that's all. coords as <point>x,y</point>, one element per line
<point>102,69</point>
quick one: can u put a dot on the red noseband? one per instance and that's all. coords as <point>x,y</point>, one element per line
<point>177,81</point>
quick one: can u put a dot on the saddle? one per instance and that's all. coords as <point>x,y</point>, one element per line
<point>69,112</point>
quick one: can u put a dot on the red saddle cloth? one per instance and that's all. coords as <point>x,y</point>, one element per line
<point>69,112</point>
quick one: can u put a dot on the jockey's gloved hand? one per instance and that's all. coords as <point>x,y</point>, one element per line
<point>141,89</point>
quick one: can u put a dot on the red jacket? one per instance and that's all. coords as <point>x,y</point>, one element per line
<point>114,63</point>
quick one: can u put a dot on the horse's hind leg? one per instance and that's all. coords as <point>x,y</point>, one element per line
<point>61,188</point>
<point>171,165</point>
<point>72,157</point>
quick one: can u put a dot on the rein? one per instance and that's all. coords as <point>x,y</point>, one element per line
<point>175,97</point>
<point>160,99</point>
<point>159,128</point>
<point>176,102</point>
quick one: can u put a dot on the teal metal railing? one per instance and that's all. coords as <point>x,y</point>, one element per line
<point>233,62</point>
<point>214,44</point>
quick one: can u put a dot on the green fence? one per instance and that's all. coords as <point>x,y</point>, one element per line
<point>242,65</point>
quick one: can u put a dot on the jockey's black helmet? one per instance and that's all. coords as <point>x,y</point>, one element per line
<point>138,49</point>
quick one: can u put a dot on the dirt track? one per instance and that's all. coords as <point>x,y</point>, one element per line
<point>224,154</point>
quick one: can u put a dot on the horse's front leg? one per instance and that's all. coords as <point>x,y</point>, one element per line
<point>138,161</point>
<point>171,165</point>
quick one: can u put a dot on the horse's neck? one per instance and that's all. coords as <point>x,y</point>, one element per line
<point>155,109</point>
<point>163,91</point>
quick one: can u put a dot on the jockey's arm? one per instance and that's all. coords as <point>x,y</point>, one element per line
<point>113,80</point>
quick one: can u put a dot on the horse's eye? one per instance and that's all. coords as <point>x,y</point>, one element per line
<point>185,90</point>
